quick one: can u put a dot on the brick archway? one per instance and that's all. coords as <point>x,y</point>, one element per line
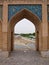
<point>24,14</point>
<point>17,17</point>
<point>9,8</point>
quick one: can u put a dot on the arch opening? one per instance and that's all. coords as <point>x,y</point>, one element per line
<point>19,16</point>
<point>24,35</point>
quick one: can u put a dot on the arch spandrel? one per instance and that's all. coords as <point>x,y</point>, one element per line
<point>24,14</point>
<point>36,9</point>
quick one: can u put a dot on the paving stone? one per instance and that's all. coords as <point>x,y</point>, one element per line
<point>28,57</point>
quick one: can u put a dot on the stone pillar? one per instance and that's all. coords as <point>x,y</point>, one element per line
<point>5,30</point>
<point>40,38</point>
<point>44,51</point>
<point>37,40</point>
<point>9,38</point>
<point>12,41</point>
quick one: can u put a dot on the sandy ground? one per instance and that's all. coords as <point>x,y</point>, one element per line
<point>22,43</point>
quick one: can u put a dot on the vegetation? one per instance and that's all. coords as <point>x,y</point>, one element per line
<point>33,34</point>
<point>30,35</point>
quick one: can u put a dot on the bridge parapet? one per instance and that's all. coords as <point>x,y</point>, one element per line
<point>34,1</point>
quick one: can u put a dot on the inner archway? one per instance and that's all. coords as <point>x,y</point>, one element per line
<point>19,16</point>
<point>24,35</point>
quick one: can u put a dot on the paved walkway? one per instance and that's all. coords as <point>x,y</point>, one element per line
<point>28,57</point>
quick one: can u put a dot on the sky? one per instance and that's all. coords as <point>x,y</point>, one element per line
<point>24,26</point>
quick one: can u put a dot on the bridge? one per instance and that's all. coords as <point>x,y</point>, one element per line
<point>12,11</point>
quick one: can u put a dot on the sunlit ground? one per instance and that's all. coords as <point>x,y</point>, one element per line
<point>23,43</point>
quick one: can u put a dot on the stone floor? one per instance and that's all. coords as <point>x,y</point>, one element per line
<point>26,57</point>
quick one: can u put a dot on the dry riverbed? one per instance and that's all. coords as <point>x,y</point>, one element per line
<point>22,43</point>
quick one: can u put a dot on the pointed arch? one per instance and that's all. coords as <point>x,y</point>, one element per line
<point>24,14</point>
<point>19,16</point>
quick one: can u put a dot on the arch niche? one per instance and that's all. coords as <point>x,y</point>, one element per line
<point>19,16</point>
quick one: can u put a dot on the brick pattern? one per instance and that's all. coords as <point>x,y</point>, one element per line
<point>6,37</point>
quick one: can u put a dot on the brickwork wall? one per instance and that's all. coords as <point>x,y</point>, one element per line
<point>43,28</point>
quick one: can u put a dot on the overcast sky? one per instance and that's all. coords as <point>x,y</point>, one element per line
<point>24,26</point>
